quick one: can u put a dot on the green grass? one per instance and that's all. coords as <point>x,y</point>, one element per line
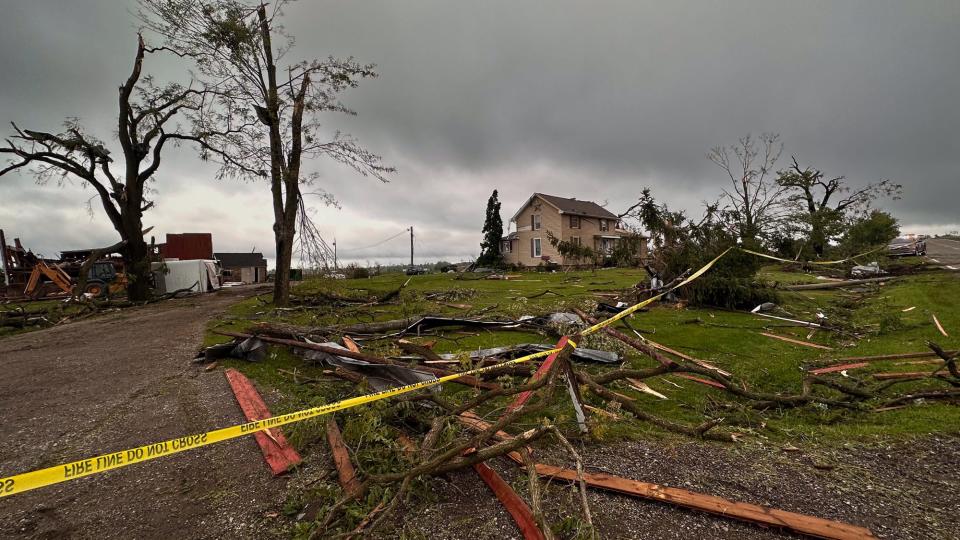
<point>730,340</point>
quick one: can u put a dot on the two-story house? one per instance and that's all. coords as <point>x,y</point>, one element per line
<point>580,222</point>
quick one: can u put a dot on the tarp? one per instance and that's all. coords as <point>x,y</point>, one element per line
<point>197,275</point>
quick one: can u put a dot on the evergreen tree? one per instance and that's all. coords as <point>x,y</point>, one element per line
<point>492,233</point>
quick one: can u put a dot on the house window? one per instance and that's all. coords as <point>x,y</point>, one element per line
<point>535,247</point>
<point>535,222</point>
<point>603,225</point>
<point>574,222</point>
<point>575,240</point>
<point>506,246</point>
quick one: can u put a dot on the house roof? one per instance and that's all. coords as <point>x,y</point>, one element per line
<point>241,260</point>
<point>570,206</point>
<point>511,236</point>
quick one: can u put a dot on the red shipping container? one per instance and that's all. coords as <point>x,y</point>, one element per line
<point>188,246</point>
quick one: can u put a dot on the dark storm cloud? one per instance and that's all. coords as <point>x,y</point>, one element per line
<point>594,100</point>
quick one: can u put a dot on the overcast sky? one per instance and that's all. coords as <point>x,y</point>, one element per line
<point>594,100</point>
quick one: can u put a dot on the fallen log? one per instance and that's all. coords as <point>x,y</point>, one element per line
<point>835,284</point>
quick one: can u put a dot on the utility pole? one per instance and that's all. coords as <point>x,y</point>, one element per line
<point>411,246</point>
<point>335,254</point>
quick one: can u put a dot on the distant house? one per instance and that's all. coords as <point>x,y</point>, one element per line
<point>580,222</point>
<point>243,267</point>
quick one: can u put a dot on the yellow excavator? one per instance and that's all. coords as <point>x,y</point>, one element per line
<point>102,279</point>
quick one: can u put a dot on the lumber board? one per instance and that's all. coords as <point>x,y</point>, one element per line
<point>517,507</point>
<point>277,452</point>
<point>813,526</point>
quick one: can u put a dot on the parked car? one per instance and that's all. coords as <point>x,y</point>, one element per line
<point>907,245</point>
<point>415,271</point>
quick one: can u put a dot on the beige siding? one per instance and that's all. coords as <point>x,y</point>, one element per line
<point>549,221</point>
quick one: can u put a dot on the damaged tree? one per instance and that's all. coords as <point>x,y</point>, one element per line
<point>264,125</point>
<point>145,115</point>
<point>815,209</point>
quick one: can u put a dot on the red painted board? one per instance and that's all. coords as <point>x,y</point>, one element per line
<point>838,367</point>
<point>280,456</point>
<point>517,507</point>
<point>541,371</point>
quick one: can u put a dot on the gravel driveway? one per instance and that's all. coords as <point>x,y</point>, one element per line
<point>119,381</point>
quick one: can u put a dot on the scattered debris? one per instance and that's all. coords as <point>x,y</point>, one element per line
<point>871,269</point>
<point>911,308</point>
<point>251,349</point>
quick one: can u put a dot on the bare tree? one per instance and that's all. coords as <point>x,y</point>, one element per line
<point>263,125</point>
<point>145,114</point>
<point>811,194</point>
<point>755,200</point>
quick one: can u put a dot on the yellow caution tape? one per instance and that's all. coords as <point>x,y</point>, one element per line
<point>115,460</point>
<point>841,261</point>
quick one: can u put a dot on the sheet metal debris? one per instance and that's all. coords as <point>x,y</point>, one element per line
<point>380,376</point>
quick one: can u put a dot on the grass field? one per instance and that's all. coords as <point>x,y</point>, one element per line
<point>730,340</point>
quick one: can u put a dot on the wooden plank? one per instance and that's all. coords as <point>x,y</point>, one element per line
<point>541,371</point>
<point>279,455</point>
<point>346,474</point>
<point>796,341</point>
<point>838,367</point>
<point>517,507</point>
<point>813,526</point>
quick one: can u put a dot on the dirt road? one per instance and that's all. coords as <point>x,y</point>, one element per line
<point>121,381</point>
<point>944,251</point>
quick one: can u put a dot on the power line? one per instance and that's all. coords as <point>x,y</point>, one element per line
<point>405,231</point>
